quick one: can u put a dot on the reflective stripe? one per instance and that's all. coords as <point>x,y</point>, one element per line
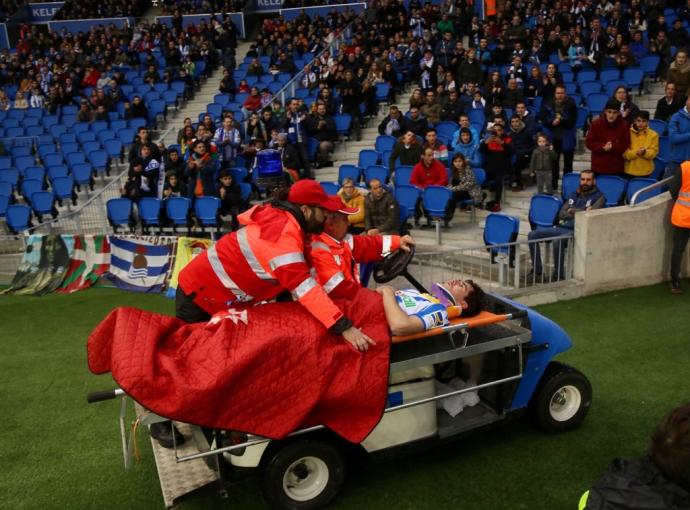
<point>318,245</point>
<point>686,203</point>
<point>285,259</point>
<point>304,287</point>
<point>350,241</point>
<point>223,276</point>
<point>684,194</point>
<point>333,282</point>
<point>387,242</point>
<point>250,257</point>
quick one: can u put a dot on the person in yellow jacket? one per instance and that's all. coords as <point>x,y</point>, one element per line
<point>679,188</point>
<point>352,198</point>
<point>644,147</point>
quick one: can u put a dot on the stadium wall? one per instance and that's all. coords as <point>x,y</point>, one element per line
<point>322,10</point>
<point>623,247</point>
<point>75,26</point>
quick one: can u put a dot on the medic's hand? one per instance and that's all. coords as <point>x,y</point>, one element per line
<point>357,339</point>
<point>406,242</point>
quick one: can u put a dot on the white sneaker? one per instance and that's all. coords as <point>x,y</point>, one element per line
<point>470,398</point>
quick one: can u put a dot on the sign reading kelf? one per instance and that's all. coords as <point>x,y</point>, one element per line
<point>269,5</point>
<point>43,11</point>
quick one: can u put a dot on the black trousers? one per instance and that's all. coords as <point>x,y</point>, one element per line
<point>187,310</point>
<point>680,241</point>
<point>458,196</point>
<point>568,157</point>
<point>304,158</point>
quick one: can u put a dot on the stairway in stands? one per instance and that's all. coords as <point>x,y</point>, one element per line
<point>462,232</point>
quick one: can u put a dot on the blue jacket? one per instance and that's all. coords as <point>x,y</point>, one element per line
<point>471,153</point>
<point>679,136</point>
<point>580,201</point>
<point>565,132</point>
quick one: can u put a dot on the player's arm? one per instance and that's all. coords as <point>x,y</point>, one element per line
<point>398,321</point>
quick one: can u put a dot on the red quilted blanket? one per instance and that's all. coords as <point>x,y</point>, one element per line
<point>265,370</point>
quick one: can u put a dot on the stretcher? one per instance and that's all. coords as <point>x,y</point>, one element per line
<point>516,344</point>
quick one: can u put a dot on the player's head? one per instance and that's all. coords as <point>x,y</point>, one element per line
<point>463,293</point>
<point>670,446</point>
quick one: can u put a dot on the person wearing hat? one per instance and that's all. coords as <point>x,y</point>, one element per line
<point>265,258</point>
<point>336,254</point>
<point>608,138</point>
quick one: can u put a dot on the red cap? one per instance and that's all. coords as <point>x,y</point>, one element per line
<point>308,192</point>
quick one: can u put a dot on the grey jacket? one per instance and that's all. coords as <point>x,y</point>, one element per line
<point>542,160</point>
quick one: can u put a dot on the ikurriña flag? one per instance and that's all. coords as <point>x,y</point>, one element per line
<point>89,261</point>
<point>137,265</point>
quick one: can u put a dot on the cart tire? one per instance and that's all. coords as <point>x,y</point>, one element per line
<point>303,475</point>
<point>562,399</point>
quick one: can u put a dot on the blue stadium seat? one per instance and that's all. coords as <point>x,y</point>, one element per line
<point>664,148</point>
<point>613,188</point>
<point>246,190</point>
<point>49,121</point>
<point>5,162</point>
<point>10,175</point>
<point>126,136</point>
<point>570,183</point>
<point>149,209</point>
<point>21,163</point>
<point>379,172</point>
<point>607,75</point>
<point>312,147</point>
<point>99,161</point>
<point>611,86</point>
<point>74,158</point>
<point>80,127</point>
<point>543,211</point>
<point>351,171</point>
<point>46,148</point>
<point>402,175</point>
<point>382,92</point>
<point>31,186</point>
<point>116,125</point>
<point>18,218</point>
<point>239,174</point>
<point>63,187</point>
<point>659,168</point>
<point>342,123</point>
<point>446,129</point>
<point>43,202</point>
<point>113,148</point>
<point>384,143</point>
<point>589,87</point>
<point>206,211</point>
<point>331,188</point>
<point>98,125</point>
<point>67,148</point>
<point>501,229</point>
<point>14,132</point>
<point>633,77</point>
<point>56,171</point>
<point>137,123</point>
<point>105,135</point>
<point>86,136</point>
<point>4,204</point>
<point>20,150</point>
<point>177,209</point>
<point>83,174</point>
<point>91,146</point>
<point>34,131</point>
<point>407,196</point>
<point>35,172</point>
<point>649,65</point>
<point>636,184</point>
<point>119,212</point>
<point>596,102</point>
<point>367,157</point>
<point>5,189</point>
<point>67,138</point>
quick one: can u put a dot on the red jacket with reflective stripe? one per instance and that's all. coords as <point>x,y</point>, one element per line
<point>255,264</point>
<point>336,263</point>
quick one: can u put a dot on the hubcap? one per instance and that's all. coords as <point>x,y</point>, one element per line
<point>305,479</point>
<point>565,403</point>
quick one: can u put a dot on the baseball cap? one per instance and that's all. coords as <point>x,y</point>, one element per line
<point>308,192</point>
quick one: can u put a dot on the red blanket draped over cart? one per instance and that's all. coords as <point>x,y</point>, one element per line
<point>266,370</point>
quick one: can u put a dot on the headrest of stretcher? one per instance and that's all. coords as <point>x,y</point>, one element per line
<point>481,319</point>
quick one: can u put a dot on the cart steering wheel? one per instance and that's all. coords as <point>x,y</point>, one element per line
<point>393,265</point>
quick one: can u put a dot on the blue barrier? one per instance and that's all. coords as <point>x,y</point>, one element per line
<point>42,12</point>
<point>194,19</point>
<point>4,38</point>
<point>74,26</point>
<point>322,10</point>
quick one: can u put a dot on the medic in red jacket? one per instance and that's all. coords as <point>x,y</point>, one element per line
<point>265,258</point>
<point>335,255</point>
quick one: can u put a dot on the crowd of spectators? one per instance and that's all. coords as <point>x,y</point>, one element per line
<point>183,7</point>
<point>8,8</point>
<point>75,9</point>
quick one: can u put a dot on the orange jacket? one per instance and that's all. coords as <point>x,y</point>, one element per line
<point>336,263</point>
<point>680,214</point>
<point>257,263</point>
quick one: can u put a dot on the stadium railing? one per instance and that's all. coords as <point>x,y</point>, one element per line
<point>500,275</point>
<point>660,184</point>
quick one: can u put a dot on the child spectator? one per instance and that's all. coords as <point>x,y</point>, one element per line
<point>230,194</point>
<point>541,165</point>
<point>174,187</point>
<point>464,186</point>
<point>644,147</point>
<point>498,151</point>
<point>576,54</point>
<point>466,145</point>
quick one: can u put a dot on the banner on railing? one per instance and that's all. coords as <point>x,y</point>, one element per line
<point>75,26</point>
<point>322,10</point>
<point>194,19</point>
<point>43,12</point>
<point>268,5</point>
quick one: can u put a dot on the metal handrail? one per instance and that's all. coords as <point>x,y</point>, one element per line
<point>662,182</point>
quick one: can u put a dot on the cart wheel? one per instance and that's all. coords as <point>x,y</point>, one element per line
<point>562,400</point>
<point>303,475</point>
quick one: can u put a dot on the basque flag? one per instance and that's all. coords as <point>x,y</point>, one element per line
<point>137,265</point>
